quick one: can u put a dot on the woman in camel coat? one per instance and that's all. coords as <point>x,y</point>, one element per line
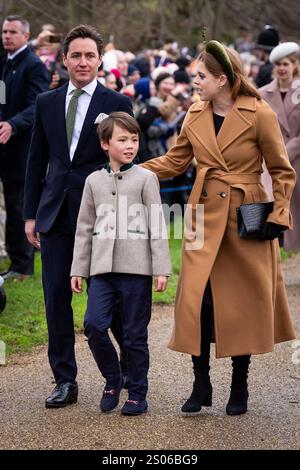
<point>227,282</point>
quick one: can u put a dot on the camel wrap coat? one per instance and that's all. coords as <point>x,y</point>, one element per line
<point>250,305</point>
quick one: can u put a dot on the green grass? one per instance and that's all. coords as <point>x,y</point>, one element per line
<point>23,324</point>
<point>285,254</point>
<point>168,297</point>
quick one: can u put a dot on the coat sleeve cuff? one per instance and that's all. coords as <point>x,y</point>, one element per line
<point>281,216</point>
<point>76,271</point>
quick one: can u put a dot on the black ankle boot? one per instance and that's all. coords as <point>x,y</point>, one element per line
<point>238,399</point>
<point>202,389</point>
<point>201,394</point>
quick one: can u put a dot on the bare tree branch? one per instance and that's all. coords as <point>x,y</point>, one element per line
<point>136,24</point>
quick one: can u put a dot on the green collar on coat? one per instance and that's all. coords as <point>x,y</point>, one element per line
<point>125,167</point>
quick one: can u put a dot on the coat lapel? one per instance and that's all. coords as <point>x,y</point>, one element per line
<point>275,101</point>
<point>235,122</point>
<point>202,127</point>
<point>234,125</point>
<point>292,98</point>
<point>94,109</point>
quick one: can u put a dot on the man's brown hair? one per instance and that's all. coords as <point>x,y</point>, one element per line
<point>83,31</point>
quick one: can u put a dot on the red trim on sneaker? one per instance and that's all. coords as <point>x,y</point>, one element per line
<point>109,392</point>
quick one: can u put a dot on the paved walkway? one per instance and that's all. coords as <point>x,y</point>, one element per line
<point>273,420</point>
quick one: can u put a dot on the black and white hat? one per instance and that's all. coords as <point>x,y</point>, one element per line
<point>268,38</point>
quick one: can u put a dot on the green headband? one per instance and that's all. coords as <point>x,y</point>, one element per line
<point>216,49</point>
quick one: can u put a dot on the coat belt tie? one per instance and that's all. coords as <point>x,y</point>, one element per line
<point>232,179</point>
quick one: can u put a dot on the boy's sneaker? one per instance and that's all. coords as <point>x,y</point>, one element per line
<point>110,398</point>
<point>134,407</point>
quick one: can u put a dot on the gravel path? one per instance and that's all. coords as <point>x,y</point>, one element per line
<point>273,420</point>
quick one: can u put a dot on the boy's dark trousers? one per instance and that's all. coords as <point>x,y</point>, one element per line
<point>57,253</point>
<point>134,293</point>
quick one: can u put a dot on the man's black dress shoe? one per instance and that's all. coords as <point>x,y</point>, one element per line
<point>64,394</point>
<point>14,276</point>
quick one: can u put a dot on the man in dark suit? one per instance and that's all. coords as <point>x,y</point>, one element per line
<point>24,76</point>
<point>266,41</point>
<point>64,150</point>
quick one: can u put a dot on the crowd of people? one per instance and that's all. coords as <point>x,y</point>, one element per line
<point>205,119</point>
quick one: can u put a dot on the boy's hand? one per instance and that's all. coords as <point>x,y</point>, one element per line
<point>161,283</point>
<point>76,284</point>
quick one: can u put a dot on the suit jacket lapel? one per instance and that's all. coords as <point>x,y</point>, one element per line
<point>94,109</point>
<point>60,118</point>
<point>9,66</point>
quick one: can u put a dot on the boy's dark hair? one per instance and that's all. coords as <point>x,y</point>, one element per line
<point>121,119</point>
<point>83,31</point>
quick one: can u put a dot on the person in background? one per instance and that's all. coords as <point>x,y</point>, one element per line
<point>184,64</point>
<point>25,76</point>
<point>118,76</point>
<point>133,74</point>
<point>42,38</point>
<point>184,81</point>
<point>244,43</point>
<point>132,78</point>
<point>266,41</point>
<point>144,89</point>
<point>111,81</point>
<point>283,95</point>
<point>163,108</point>
<point>122,66</point>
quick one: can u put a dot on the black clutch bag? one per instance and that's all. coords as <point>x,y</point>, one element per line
<point>252,217</point>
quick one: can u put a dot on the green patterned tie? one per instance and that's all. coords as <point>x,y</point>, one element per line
<point>70,119</point>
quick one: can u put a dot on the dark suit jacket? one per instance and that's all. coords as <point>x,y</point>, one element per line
<point>264,75</point>
<point>27,78</point>
<point>51,175</point>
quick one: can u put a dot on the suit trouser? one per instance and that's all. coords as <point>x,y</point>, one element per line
<point>20,252</point>
<point>57,254</point>
<point>134,293</point>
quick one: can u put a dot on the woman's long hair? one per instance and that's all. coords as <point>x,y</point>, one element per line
<point>241,84</point>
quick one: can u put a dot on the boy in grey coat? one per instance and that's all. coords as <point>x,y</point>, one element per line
<point>120,243</point>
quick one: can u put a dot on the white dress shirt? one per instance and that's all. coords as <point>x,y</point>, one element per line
<point>83,105</point>
<point>11,56</point>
